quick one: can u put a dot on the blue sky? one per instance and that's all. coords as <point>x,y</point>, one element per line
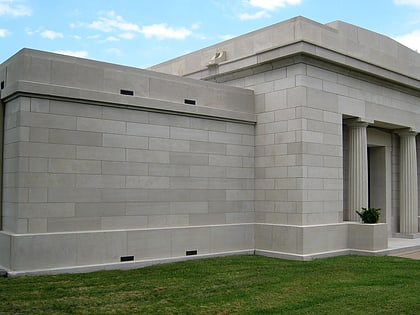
<point>141,33</point>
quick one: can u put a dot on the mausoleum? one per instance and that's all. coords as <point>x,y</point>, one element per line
<point>266,144</point>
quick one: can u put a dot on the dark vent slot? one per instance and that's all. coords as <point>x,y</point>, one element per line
<point>127,92</point>
<point>2,85</point>
<point>126,258</point>
<point>191,252</point>
<point>189,102</point>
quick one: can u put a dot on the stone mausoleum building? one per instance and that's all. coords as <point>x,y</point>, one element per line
<point>267,143</point>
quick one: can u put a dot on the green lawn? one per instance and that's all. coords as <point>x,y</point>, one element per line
<point>229,285</point>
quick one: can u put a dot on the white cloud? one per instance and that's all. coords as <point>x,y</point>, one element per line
<point>114,51</point>
<point>127,35</point>
<point>112,39</point>
<point>226,37</point>
<point>415,3</point>
<point>411,40</point>
<point>257,15</point>
<point>3,32</point>
<point>51,34</point>
<point>112,22</point>
<point>77,53</point>
<point>163,31</point>
<point>12,8</point>
<point>271,5</point>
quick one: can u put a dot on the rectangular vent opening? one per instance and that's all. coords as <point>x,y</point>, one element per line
<point>126,258</point>
<point>189,102</point>
<point>2,85</point>
<point>191,252</point>
<point>127,92</point>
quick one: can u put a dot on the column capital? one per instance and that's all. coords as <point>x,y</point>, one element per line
<point>356,123</point>
<point>406,132</point>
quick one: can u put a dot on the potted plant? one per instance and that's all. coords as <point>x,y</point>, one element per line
<point>369,215</point>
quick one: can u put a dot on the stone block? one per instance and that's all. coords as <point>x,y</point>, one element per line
<point>100,125</point>
<point>17,164</point>
<point>125,168</point>
<point>101,247</point>
<point>240,150</point>
<point>188,158</point>
<point>207,219</point>
<point>37,225</point>
<point>44,120</point>
<point>149,244</point>
<point>75,109</point>
<point>168,145</point>
<point>148,156</point>
<point>38,194</point>
<point>75,137</point>
<point>16,134</point>
<point>123,141</point>
<point>148,130</point>
<point>239,195</point>
<point>124,222</point>
<point>189,207</point>
<point>371,237</point>
<point>37,165</point>
<point>224,160</point>
<point>169,120</point>
<point>40,105</point>
<point>207,171</point>
<point>44,251</point>
<point>168,170</point>
<point>147,208</point>
<point>125,115</point>
<point>189,134</point>
<point>100,181</point>
<point>188,183</point>
<point>46,210</point>
<point>100,209</point>
<point>5,246</point>
<point>224,137</point>
<point>206,124</point>
<point>240,172</point>
<point>207,147</point>
<point>156,221</point>
<point>100,153</point>
<point>47,150</point>
<point>197,238</point>
<point>74,166</point>
<point>74,195</point>
<point>239,128</point>
<point>147,182</point>
<point>73,224</point>
<point>38,134</point>
<point>246,217</point>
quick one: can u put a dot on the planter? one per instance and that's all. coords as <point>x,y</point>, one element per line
<point>371,237</point>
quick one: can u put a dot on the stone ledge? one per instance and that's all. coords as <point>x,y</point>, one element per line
<point>27,88</point>
<point>124,265</point>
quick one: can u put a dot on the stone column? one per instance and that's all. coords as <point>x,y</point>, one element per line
<point>358,170</point>
<point>408,183</point>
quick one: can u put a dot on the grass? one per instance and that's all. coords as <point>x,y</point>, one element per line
<point>228,285</point>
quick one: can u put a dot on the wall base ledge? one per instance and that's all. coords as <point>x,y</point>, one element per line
<point>309,257</point>
<point>404,235</point>
<point>123,265</point>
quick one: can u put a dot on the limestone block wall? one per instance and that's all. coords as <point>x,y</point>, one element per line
<point>298,146</point>
<point>155,184</point>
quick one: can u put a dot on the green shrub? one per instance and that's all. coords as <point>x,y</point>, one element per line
<point>369,215</point>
